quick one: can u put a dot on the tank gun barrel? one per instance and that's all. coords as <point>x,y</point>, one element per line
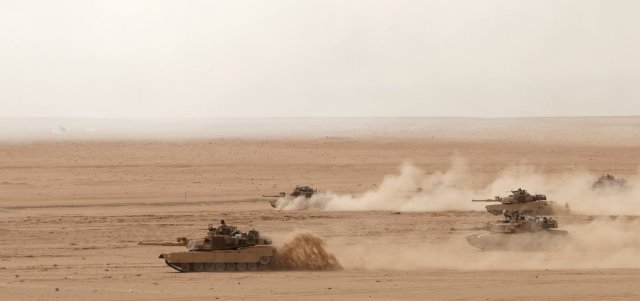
<point>161,243</point>
<point>180,242</point>
<point>280,195</point>
<point>487,200</point>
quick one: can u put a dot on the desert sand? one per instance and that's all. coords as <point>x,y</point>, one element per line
<point>72,212</point>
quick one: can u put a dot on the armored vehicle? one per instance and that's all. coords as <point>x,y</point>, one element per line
<point>609,181</point>
<point>522,201</point>
<point>306,191</point>
<point>519,229</point>
<point>224,248</point>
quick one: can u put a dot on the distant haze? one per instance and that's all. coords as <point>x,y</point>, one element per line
<point>176,59</point>
<point>573,130</point>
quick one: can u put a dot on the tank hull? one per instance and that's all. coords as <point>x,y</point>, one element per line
<point>250,258</point>
<point>520,241</point>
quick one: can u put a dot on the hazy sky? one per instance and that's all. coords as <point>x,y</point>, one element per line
<point>162,58</point>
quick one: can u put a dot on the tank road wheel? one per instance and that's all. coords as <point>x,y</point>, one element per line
<point>220,267</point>
<point>264,260</point>
<point>252,266</point>
<point>231,266</point>
<point>242,266</point>
<point>210,267</point>
<point>197,267</point>
<point>185,267</point>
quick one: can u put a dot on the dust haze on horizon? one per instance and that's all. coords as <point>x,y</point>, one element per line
<point>201,59</point>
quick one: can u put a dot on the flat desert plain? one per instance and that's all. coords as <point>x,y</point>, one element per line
<point>395,210</point>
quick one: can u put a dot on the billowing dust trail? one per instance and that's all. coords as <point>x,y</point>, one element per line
<point>605,243</point>
<point>305,251</point>
<point>414,189</point>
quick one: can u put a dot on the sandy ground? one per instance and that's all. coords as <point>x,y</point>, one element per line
<point>71,214</point>
<point>91,253</point>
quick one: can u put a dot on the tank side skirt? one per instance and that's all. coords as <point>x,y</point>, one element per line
<point>247,256</point>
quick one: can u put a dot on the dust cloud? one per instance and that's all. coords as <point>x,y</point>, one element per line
<point>304,251</point>
<point>414,189</point>
<point>605,243</point>
<point>603,233</point>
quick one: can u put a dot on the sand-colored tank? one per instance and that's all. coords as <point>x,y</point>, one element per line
<point>525,203</point>
<point>523,227</point>
<point>223,249</point>
<point>526,233</point>
<point>298,191</point>
<point>609,182</point>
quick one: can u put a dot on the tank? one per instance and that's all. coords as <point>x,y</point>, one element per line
<point>521,200</point>
<point>522,226</point>
<point>609,181</point>
<point>298,191</point>
<point>224,248</point>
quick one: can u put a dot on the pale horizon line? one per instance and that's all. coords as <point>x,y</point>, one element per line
<point>322,117</point>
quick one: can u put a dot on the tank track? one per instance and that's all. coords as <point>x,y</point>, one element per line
<point>220,266</point>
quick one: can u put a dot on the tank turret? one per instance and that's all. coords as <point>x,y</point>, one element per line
<point>226,237</point>
<point>519,196</point>
<point>520,200</point>
<point>305,191</point>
